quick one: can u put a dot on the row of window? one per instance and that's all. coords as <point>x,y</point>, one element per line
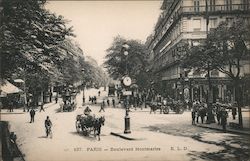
<point>211,4</point>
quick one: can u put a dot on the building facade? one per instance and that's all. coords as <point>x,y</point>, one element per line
<point>187,21</point>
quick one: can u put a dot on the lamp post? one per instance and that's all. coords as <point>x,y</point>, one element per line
<point>83,88</point>
<point>127,82</point>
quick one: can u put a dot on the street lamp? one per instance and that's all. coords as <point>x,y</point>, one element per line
<point>127,82</point>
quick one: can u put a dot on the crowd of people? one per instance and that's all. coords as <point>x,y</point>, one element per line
<point>219,111</point>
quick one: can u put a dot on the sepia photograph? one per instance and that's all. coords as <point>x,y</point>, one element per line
<point>124,80</point>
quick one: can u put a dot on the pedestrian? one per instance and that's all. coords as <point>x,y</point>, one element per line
<point>11,104</point>
<point>224,119</point>
<point>113,102</point>
<point>99,93</point>
<point>1,105</point>
<point>193,116</point>
<point>42,104</point>
<point>56,99</point>
<point>95,100</point>
<point>83,99</point>
<point>102,107</point>
<point>32,115</point>
<point>234,112</point>
<point>218,113</point>
<point>108,102</point>
<point>50,96</point>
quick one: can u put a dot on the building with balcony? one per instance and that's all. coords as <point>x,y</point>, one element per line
<point>188,21</point>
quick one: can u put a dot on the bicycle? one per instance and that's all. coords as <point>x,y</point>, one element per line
<point>49,132</point>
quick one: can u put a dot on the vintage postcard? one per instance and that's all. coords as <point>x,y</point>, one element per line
<point>124,80</point>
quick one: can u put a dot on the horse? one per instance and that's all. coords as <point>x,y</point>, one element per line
<point>99,122</point>
<point>155,106</point>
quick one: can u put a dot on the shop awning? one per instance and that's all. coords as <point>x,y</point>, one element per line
<point>7,88</point>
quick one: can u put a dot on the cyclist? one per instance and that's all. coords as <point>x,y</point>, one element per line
<point>48,125</point>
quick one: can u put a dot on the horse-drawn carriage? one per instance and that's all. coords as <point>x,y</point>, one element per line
<point>111,91</point>
<point>88,124</point>
<point>175,106</point>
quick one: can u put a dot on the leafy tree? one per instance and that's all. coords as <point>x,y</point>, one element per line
<point>134,64</point>
<point>230,45</point>
<point>30,35</point>
<point>224,50</point>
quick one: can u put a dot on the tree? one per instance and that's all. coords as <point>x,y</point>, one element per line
<point>134,63</point>
<point>231,44</point>
<point>224,50</point>
<point>30,35</point>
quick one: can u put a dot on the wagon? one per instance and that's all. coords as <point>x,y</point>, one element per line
<point>176,107</point>
<point>69,101</point>
<point>111,90</point>
<point>84,124</point>
<point>87,124</point>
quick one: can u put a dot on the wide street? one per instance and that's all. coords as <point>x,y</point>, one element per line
<point>160,137</point>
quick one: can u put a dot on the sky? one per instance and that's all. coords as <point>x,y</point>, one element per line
<point>96,23</point>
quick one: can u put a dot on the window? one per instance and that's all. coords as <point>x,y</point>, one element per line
<point>230,20</point>
<point>196,5</point>
<point>245,4</point>
<point>228,4</point>
<point>213,23</point>
<point>196,24</point>
<point>211,5</point>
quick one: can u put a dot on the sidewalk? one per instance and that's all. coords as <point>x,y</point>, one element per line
<point>20,110</point>
<point>215,126</point>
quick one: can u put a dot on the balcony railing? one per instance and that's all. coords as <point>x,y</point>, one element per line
<point>215,8</point>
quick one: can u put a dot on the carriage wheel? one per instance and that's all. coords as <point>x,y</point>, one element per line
<point>85,131</point>
<point>166,110</point>
<point>78,126</point>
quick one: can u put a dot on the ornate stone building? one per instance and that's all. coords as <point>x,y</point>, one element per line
<point>187,21</point>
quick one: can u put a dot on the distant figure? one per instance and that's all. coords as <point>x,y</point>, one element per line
<point>42,104</point>
<point>224,119</point>
<point>50,97</point>
<point>56,99</point>
<point>11,104</point>
<point>1,105</point>
<point>102,106</point>
<point>83,99</point>
<point>87,111</point>
<point>103,102</point>
<point>32,115</point>
<point>234,112</point>
<point>193,116</point>
<point>113,102</point>
<point>108,102</point>
<point>95,101</point>
<point>99,93</point>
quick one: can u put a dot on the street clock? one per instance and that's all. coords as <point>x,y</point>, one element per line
<point>127,81</point>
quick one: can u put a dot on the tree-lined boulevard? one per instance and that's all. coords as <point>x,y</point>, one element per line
<point>160,136</point>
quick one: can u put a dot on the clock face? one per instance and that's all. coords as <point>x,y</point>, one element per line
<point>127,81</point>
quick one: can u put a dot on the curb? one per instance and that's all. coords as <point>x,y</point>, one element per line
<point>125,137</point>
<point>228,131</point>
<point>122,136</point>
